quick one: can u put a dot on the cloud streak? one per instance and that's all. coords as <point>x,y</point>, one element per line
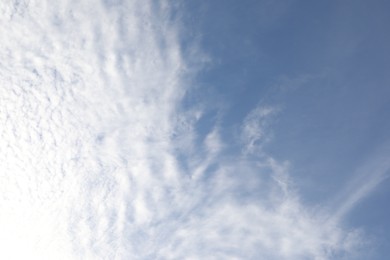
<point>100,159</point>
<point>368,176</point>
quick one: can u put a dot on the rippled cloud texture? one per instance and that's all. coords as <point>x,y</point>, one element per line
<point>101,159</point>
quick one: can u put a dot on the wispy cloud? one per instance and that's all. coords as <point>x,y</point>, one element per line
<point>99,160</point>
<point>255,127</point>
<point>369,175</point>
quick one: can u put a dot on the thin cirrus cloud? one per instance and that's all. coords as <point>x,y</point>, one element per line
<point>100,160</point>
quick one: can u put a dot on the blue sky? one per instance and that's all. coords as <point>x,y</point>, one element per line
<point>325,65</point>
<point>218,129</point>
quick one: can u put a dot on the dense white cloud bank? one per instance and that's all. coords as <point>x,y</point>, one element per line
<point>99,159</point>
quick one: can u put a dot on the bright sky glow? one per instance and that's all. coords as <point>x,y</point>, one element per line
<point>142,129</point>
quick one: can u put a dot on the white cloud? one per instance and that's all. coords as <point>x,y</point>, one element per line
<point>254,129</point>
<point>367,177</point>
<point>91,160</point>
